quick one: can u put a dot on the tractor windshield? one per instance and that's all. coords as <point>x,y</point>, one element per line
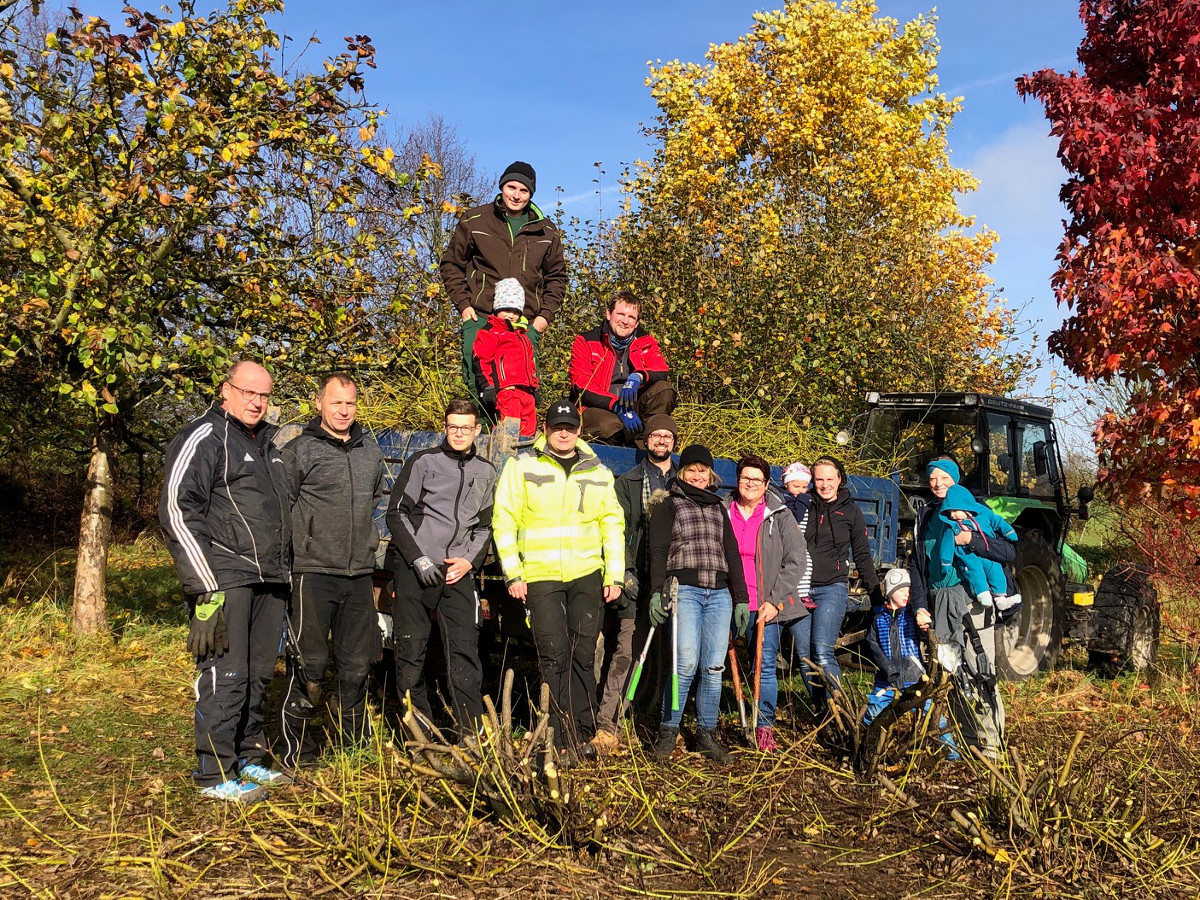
<point>908,439</point>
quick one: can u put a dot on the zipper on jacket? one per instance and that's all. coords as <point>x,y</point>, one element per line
<point>350,480</point>
<point>462,477</point>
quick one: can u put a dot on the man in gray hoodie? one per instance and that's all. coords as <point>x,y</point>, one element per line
<point>440,517</point>
<point>335,481</point>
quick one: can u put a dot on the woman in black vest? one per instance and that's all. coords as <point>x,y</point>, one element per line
<point>692,543</point>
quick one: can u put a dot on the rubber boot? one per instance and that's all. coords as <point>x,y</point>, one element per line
<point>666,743</point>
<point>707,745</point>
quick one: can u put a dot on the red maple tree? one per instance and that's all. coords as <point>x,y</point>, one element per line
<point>1129,134</point>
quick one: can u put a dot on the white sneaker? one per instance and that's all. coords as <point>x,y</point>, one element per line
<point>263,776</point>
<point>237,791</point>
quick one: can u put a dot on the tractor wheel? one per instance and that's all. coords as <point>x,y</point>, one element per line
<point>1030,642</point>
<point>1127,621</point>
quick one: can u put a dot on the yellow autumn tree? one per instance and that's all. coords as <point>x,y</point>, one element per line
<point>798,227</point>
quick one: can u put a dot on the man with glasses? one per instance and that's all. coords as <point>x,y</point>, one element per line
<point>227,519</point>
<point>439,516</point>
<point>625,622</point>
<point>559,534</point>
<point>619,375</point>
<point>335,474</point>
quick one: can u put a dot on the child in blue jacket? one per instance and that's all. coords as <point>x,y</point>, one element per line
<point>985,578</point>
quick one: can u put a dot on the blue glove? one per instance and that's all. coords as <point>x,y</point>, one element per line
<point>629,419</point>
<point>629,390</point>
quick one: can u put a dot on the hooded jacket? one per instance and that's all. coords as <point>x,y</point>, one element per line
<point>780,558</point>
<point>835,531</point>
<point>441,506</point>
<point>551,525</point>
<point>224,505</point>
<point>925,532</point>
<point>483,251</point>
<point>980,573</point>
<point>503,356</point>
<point>593,360</point>
<point>334,487</point>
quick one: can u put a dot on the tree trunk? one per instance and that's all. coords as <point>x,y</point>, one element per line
<point>90,614</point>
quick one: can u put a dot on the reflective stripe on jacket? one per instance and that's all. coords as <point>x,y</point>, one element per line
<point>551,526</point>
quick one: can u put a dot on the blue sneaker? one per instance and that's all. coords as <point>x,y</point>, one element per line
<point>237,791</point>
<point>261,775</point>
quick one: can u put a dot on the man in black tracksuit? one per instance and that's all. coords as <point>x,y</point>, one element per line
<point>440,517</point>
<point>225,511</point>
<point>335,477</point>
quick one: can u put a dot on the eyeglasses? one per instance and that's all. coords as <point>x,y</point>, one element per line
<point>751,482</point>
<point>247,395</point>
<point>661,436</point>
<point>460,429</point>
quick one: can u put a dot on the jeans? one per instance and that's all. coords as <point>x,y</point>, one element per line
<point>702,618</point>
<point>881,698</point>
<point>801,631</point>
<point>819,632</point>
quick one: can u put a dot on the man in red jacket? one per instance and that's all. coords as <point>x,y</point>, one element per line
<point>619,375</point>
<point>507,238</point>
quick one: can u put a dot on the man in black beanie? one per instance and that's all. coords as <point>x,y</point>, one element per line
<point>507,238</point>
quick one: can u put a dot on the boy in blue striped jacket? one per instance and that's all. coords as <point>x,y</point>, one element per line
<point>895,641</point>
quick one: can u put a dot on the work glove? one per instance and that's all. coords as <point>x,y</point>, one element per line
<point>208,634</point>
<point>488,395</point>
<point>658,613</point>
<point>741,618</point>
<point>631,585</point>
<point>630,420</point>
<point>629,390</point>
<point>429,573</point>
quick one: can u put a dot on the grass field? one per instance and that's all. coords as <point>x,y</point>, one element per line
<point>1098,796</point>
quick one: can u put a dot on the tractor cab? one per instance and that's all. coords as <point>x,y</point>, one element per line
<point>1006,450</point>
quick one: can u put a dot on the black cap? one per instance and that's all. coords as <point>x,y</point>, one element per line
<point>562,413</point>
<point>522,173</point>
<point>695,453</point>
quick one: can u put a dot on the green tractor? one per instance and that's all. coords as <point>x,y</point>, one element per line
<point>1009,456</point>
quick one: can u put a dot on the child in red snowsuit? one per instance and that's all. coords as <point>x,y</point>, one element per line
<point>505,374</point>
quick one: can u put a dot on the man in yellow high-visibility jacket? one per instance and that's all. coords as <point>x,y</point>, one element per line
<point>560,535</point>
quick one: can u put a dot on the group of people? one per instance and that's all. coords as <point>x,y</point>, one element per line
<point>505,273</point>
<point>276,547</point>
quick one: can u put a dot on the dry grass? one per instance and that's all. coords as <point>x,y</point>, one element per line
<point>96,800</point>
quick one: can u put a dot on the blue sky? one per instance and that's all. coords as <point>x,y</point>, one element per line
<point>561,85</point>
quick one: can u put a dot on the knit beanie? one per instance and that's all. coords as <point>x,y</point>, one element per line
<point>797,472</point>
<point>661,422</point>
<point>946,465</point>
<point>508,295</point>
<point>522,173</point>
<point>894,580</point>
<point>695,453</point>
